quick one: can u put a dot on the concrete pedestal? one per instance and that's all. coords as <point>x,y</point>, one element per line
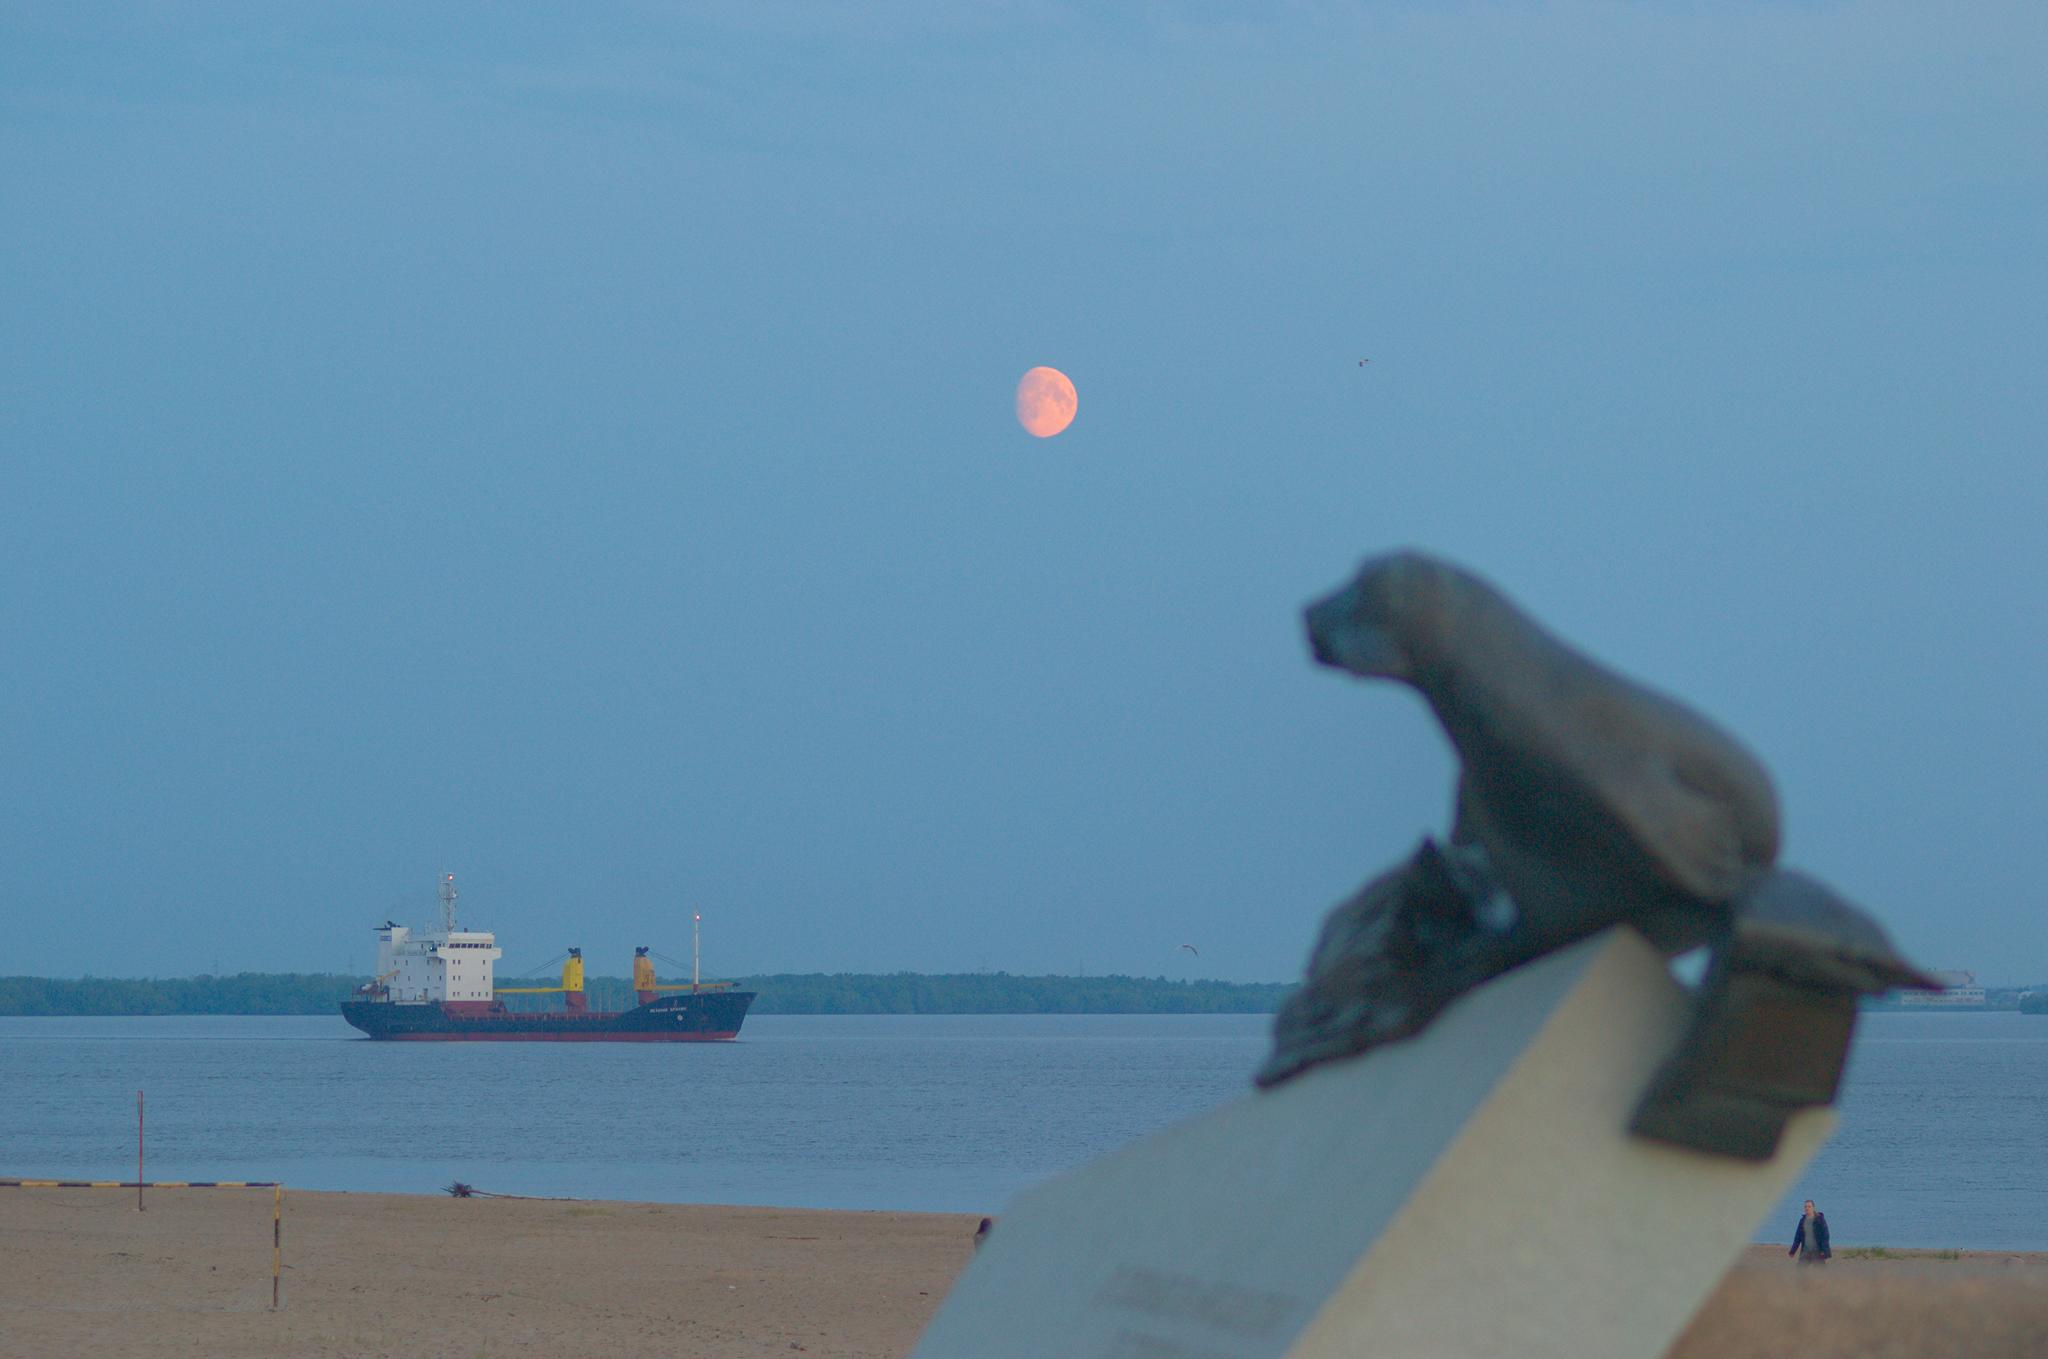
<point>1469,1193</point>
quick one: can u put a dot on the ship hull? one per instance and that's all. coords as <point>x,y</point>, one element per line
<point>703,1017</point>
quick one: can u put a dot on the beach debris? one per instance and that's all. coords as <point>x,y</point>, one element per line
<point>469,1191</point>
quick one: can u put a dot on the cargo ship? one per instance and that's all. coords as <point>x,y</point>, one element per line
<point>439,986</point>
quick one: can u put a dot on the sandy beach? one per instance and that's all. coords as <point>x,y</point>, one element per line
<point>434,1277</point>
<point>1913,1305</point>
<point>425,1277</point>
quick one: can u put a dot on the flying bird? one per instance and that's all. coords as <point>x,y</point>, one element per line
<point>1192,949</point>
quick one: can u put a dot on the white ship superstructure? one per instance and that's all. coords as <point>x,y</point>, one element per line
<point>438,965</point>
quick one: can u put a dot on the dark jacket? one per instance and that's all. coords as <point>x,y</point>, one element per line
<point>1820,1235</point>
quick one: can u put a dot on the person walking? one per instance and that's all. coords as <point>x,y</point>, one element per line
<point>1810,1237</point>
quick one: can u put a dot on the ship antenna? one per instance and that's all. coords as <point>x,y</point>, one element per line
<point>448,903</point>
<point>696,948</point>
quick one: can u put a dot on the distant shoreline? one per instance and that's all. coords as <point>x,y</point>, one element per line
<point>783,993</point>
<point>806,993</point>
<point>811,993</point>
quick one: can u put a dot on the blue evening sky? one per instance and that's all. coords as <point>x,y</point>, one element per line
<point>572,446</point>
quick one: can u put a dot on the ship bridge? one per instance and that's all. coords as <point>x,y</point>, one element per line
<point>437,965</point>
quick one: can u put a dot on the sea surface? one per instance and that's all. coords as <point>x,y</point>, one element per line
<point>1943,1139</point>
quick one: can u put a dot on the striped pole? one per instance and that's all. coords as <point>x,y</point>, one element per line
<point>276,1188</point>
<point>276,1240</point>
<point>138,1151</point>
<point>11,1182</point>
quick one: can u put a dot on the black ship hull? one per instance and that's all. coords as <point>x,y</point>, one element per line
<point>694,1017</point>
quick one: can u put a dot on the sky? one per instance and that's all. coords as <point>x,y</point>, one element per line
<point>573,448</point>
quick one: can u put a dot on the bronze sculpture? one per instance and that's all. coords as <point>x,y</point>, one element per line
<point>1584,801</point>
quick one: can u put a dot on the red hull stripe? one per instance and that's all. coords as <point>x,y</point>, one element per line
<point>653,1036</point>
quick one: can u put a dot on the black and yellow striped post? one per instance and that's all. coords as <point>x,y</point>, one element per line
<point>276,1188</point>
<point>276,1240</point>
<point>144,1184</point>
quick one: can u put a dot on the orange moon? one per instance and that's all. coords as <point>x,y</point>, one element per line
<point>1046,402</point>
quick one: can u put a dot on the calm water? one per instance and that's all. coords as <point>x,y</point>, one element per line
<point>1945,1119</point>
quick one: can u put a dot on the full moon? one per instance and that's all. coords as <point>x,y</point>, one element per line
<point>1046,402</point>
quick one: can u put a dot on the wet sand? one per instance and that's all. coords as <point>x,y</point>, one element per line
<point>423,1277</point>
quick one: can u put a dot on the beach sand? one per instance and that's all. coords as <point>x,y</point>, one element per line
<point>1920,1305</point>
<point>425,1277</point>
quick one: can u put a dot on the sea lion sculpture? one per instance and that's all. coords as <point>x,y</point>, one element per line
<point>1584,800</point>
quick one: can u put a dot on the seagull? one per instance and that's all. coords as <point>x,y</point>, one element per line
<point>1363,362</point>
<point>1192,949</point>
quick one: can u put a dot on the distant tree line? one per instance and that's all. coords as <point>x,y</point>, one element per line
<point>1000,993</point>
<point>811,993</point>
<point>247,993</point>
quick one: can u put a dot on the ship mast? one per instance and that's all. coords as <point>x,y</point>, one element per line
<point>696,948</point>
<point>447,903</point>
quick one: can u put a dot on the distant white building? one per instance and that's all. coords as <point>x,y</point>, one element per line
<point>1959,992</point>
